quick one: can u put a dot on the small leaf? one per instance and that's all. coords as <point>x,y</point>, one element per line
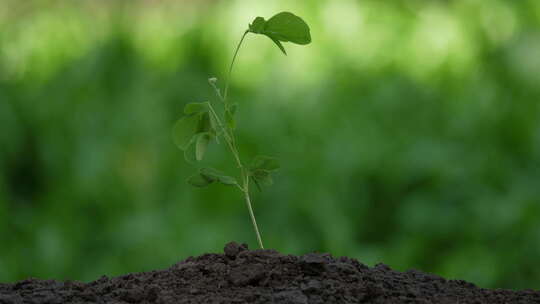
<point>227,180</point>
<point>202,141</point>
<point>256,184</point>
<point>210,174</point>
<point>215,175</point>
<point>262,177</point>
<point>198,180</point>
<point>287,26</point>
<point>261,170</point>
<point>279,45</point>
<point>205,124</point>
<point>229,116</point>
<point>190,151</point>
<point>195,108</point>
<point>183,131</point>
<point>266,163</point>
<point>257,25</point>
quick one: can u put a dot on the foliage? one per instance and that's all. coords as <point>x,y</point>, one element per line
<point>282,27</point>
<point>202,124</point>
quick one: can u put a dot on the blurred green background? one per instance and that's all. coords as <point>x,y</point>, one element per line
<point>409,134</point>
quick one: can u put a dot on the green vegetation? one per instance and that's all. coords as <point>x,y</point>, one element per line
<point>407,134</point>
<point>202,124</point>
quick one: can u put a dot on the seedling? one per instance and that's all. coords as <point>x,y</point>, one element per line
<point>202,123</point>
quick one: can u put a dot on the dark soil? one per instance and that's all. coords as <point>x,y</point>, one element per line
<point>263,276</point>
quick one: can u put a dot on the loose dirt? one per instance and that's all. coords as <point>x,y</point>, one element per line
<point>263,276</point>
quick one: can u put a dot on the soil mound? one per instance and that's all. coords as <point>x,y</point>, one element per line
<point>263,276</point>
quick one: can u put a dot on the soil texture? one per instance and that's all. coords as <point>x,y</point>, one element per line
<point>264,276</point>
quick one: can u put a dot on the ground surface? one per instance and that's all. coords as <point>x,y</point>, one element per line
<point>263,276</point>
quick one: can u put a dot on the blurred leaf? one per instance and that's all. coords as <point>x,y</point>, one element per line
<point>202,141</point>
<point>256,184</point>
<point>190,151</point>
<point>261,168</point>
<point>195,107</point>
<point>205,123</point>
<point>227,180</point>
<point>262,177</point>
<point>285,27</point>
<point>267,163</point>
<point>214,175</point>
<point>184,129</point>
<point>198,180</point>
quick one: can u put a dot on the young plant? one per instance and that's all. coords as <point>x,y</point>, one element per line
<point>203,123</point>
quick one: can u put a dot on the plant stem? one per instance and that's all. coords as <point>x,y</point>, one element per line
<point>228,134</point>
<point>248,203</point>
<point>232,64</point>
<point>229,138</point>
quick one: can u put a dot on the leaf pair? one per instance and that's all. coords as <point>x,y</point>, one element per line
<point>282,27</point>
<point>195,130</point>
<point>207,176</point>
<point>261,170</point>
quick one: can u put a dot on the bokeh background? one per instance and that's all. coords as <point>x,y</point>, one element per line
<point>408,132</point>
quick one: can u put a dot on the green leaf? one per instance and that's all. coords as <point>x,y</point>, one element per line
<point>256,184</point>
<point>229,116</point>
<point>211,174</point>
<point>198,180</point>
<point>262,177</point>
<point>184,129</point>
<point>227,180</point>
<point>279,45</point>
<point>287,26</point>
<point>202,141</point>
<point>257,25</point>
<point>197,147</point>
<point>282,27</point>
<point>190,151</point>
<point>261,169</point>
<point>195,108</point>
<point>266,163</point>
<point>205,123</point>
